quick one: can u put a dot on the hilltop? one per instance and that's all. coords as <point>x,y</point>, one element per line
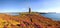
<point>26,20</point>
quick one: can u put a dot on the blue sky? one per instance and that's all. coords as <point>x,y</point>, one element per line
<point>36,5</point>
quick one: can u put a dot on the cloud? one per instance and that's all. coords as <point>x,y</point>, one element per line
<point>57,10</point>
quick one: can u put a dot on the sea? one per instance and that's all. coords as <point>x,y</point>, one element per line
<point>53,16</point>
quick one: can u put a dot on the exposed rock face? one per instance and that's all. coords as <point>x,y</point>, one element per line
<point>27,21</point>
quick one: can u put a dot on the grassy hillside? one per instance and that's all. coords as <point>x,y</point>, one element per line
<point>26,20</point>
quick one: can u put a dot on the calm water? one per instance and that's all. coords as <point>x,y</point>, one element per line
<point>54,16</point>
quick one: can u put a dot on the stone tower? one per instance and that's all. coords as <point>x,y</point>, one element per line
<point>29,10</point>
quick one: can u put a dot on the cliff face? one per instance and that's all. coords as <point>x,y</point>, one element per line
<point>27,21</point>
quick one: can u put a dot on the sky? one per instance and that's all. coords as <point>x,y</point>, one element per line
<point>35,5</point>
